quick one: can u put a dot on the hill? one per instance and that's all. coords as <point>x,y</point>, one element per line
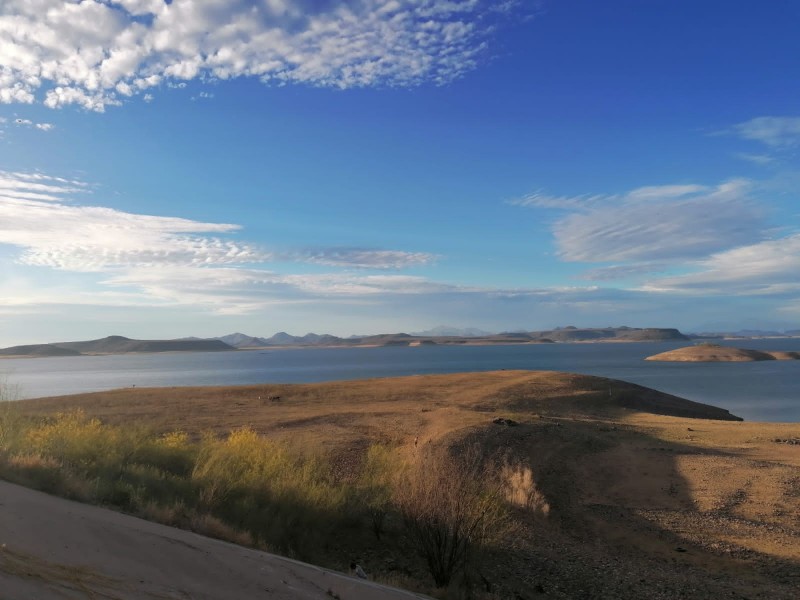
<point>116,344</point>
<point>617,494</point>
<point>38,350</point>
<point>715,353</point>
<point>627,334</point>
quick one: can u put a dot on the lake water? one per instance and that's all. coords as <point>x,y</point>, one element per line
<point>759,391</point>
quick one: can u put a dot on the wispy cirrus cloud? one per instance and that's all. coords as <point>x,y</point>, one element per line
<point>95,53</point>
<point>757,159</point>
<point>617,272</point>
<point>363,258</point>
<point>61,235</point>
<point>769,267</point>
<point>540,199</point>
<point>776,132</point>
<point>172,259</point>
<point>655,223</point>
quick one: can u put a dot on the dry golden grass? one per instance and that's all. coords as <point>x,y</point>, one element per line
<point>614,488</point>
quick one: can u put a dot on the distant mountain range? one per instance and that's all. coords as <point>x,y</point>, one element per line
<point>451,336</point>
<point>444,330</point>
<point>747,333</point>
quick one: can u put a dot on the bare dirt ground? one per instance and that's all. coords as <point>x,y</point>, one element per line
<point>644,501</point>
<point>51,548</point>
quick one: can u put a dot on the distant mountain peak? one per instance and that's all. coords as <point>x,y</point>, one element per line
<point>449,331</point>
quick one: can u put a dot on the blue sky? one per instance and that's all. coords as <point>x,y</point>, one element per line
<point>175,169</point>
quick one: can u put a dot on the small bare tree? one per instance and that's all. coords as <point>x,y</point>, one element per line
<point>374,485</point>
<point>452,506</point>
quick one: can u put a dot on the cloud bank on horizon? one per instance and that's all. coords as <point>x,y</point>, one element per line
<point>626,243</point>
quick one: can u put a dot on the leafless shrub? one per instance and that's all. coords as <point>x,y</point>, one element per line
<point>452,507</point>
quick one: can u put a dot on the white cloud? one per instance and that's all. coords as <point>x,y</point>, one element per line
<point>176,260</point>
<point>95,52</point>
<point>229,290</point>
<point>28,123</point>
<point>616,272</point>
<point>664,192</point>
<point>773,131</point>
<point>539,199</point>
<point>657,223</point>
<point>758,159</point>
<point>35,186</point>
<point>364,258</point>
<point>769,267</point>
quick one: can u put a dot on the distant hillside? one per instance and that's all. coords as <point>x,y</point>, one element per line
<point>38,350</point>
<point>116,344</point>
<point>628,334</point>
<point>745,333</point>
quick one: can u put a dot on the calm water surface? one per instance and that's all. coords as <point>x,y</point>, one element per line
<point>761,391</point>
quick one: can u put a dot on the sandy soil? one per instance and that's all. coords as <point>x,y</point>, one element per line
<point>56,549</point>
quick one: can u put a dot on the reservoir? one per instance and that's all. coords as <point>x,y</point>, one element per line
<point>756,391</point>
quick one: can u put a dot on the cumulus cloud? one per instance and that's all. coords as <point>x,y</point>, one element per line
<point>655,223</point>
<point>773,131</point>
<point>19,122</point>
<point>95,53</point>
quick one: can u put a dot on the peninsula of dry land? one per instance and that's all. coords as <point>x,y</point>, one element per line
<point>613,490</point>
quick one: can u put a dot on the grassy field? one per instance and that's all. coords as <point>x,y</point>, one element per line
<point>585,487</point>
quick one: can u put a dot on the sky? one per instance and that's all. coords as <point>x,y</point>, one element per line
<point>172,169</point>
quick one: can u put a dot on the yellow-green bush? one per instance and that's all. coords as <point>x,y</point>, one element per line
<point>254,484</point>
<point>77,441</point>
